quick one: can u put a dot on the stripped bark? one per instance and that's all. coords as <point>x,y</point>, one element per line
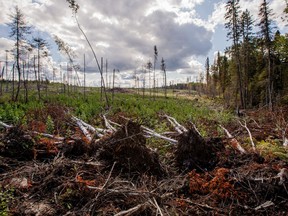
<point>178,127</point>
<point>5,125</point>
<point>249,132</point>
<point>108,125</point>
<point>83,129</point>
<point>233,141</point>
<point>48,135</point>
<point>150,132</point>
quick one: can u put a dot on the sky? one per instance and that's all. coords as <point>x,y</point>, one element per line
<point>124,33</point>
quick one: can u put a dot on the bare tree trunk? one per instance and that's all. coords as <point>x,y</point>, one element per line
<point>113,85</point>
<point>25,85</point>
<point>13,83</point>
<point>84,85</point>
<point>102,80</point>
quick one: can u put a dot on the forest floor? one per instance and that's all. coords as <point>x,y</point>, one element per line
<point>115,170</point>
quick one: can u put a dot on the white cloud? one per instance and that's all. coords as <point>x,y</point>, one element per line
<point>125,32</point>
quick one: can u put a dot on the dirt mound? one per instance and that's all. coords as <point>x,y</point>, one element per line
<point>194,152</point>
<point>127,148</point>
<point>17,143</point>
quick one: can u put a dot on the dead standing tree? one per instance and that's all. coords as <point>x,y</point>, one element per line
<point>19,29</point>
<point>74,6</point>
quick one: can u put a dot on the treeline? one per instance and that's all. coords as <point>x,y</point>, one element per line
<point>253,71</point>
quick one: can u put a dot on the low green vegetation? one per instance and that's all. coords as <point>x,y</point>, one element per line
<point>183,108</point>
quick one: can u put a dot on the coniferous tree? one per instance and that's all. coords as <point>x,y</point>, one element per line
<point>154,77</point>
<point>149,67</point>
<point>207,67</point>
<point>163,68</point>
<point>246,29</point>
<point>265,25</point>
<point>233,26</point>
<point>19,29</point>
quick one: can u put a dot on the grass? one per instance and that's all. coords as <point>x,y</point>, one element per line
<point>183,108</point>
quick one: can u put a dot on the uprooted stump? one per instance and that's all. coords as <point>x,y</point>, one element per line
<point>127,148</point>
<point>194,152</point>
<point>16,143</point>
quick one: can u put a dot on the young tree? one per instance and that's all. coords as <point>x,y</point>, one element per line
<point>265,25</point>
<point>207,67</point>
<point>163,68</point>
<point>19,29</point>
<point>155,60</point>
<point>149,67</point>
<point>233,26</point>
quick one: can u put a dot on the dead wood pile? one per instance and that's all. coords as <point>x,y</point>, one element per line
<point>111,171</point>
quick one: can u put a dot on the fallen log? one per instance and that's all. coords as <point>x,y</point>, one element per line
<point>83,128</point>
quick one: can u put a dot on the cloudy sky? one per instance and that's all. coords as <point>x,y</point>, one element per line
<point>125,32</point>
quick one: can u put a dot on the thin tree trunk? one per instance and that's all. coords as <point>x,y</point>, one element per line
<point>113,85</point>
<point>13,83</point>
<point>38,80</point>
<point>95,57</point>
<point>102,80</point>
<point>84,77</point>
<point>18,63</point>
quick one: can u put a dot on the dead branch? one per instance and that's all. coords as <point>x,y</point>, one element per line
<point>157,206</point>
<point>131,210</point>
<point>234,142</point>
<point>198,204</point>
<point>155,134</point>
<point>283,175</point>
<point>5,125</point>
<point>88,126</point>
<point>108,125</point>
<point>48,136</point>
<point>83,128</point>
<point>109,176</point>
<point>285,143</point>
<point>285,139</point>
<point>249,132</point>
<point>114,123</point>
<point>178,127</point>
<point>264,205</point>
<point>196,129</point>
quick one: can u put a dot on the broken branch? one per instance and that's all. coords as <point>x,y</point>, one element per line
<point>178,127</point>
<point>155,134</point>
<point>234,142</point>
<point>5,125</point>
<point>249,132</point>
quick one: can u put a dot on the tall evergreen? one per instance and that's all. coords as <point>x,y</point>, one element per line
<point>265,25</point>
<point>233,26</point>
<point>246,29</point>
